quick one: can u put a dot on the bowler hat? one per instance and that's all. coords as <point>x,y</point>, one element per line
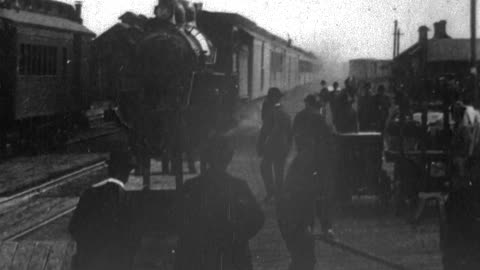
<point>311,100</point>
<point>274,92</point>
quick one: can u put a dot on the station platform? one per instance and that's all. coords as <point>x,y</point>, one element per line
<point>362,226</point>
<point>36,255</point>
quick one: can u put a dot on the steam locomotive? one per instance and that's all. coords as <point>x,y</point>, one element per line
<point>168,96</point>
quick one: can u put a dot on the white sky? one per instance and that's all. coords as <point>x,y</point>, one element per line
<point>338,29</point>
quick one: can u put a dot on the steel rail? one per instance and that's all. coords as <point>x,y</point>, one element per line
<point>359,252</point>
<point>39,225</point>
<point>98,136</point>
<point>55,182</point>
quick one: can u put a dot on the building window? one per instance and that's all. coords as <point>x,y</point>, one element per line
<point>37,60</point>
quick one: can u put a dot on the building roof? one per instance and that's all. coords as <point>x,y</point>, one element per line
<point>38,19</point>
<point>444,50</point>
<point>369,60</point>
<point>450,49</point>
<point>251,27</point>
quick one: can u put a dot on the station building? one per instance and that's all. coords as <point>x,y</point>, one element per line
<point>431,58</point>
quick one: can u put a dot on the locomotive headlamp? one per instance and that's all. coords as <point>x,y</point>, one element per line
<point>165,9</point>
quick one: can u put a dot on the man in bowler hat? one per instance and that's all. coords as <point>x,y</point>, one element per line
<point>274,142</point>
<point>101,223</point>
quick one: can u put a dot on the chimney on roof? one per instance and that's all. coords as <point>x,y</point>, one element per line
<point>78,11</point>
<point>423,33</point>
<point>440,30</point>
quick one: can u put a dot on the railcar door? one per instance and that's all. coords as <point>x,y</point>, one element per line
<point>243,71</point>
<point>7,70</point>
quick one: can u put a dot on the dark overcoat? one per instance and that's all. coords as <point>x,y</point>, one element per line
<point>220,215</point>
<point>102,228</point>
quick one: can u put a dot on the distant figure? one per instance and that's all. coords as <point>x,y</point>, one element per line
<point>269,103</point>
<point>381,108</point>
<point>101,224</point>
<point>345,114</point>
<point>323,86</point>
<point>306,124</point>
<point>274,144</point>
<point>220,215</point>
<point>335,86</point>
<point>366,117</point>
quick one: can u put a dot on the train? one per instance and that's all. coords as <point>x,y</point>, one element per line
<point>54,68</point>
<point>44,51</point>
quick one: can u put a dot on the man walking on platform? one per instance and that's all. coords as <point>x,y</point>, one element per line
<point>309,176</point>
<point>216,216</point>
<point>345,113</point>
<point>101,224</point>
<point>274,142</point>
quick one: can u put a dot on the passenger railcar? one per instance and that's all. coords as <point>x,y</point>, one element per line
<point>43,49</point>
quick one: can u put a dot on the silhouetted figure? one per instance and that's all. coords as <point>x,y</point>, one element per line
<point>101,224</point>
<point>460,239</point>
<point>323,86</point>
<point>381,108</point>
<point>309,177</point>
<point>220,215</point>
<point>305,123</point>
<point>274,143</point>
<point>345,115</point>
<point>296,210</point>
<point>460,234</point>
<point>366,117</point>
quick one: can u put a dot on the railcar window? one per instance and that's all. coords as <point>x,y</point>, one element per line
<point>276,62</point>
<point>262,77</point>
<point>37,60</point>
<point>64,61</point>
<point>305,66</point>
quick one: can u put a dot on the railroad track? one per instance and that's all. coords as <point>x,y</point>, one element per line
<point>19,204</point>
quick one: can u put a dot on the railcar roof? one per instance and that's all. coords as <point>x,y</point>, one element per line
<point>43,20</point>
<point>249,25</point>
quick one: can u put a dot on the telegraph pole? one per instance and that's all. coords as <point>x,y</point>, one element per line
<point>398,40</point>
<point>395,39</point>
<point>473,47</point>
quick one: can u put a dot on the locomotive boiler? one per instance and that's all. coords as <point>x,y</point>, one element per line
<point>174,100</point>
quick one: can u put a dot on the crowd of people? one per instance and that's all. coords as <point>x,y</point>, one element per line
<point>217,214</point>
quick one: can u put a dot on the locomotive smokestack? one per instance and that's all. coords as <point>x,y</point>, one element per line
<point>78,11</point>
<point>190,13</point>
<point>198,7</point>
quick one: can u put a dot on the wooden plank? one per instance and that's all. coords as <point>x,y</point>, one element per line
<point>55,257</point>
<point>7,252</point>
<point>32,217</point>
<point>22,256</point>
<point>39,256</point>
<point>19,220</point>
<point>69,252</point>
